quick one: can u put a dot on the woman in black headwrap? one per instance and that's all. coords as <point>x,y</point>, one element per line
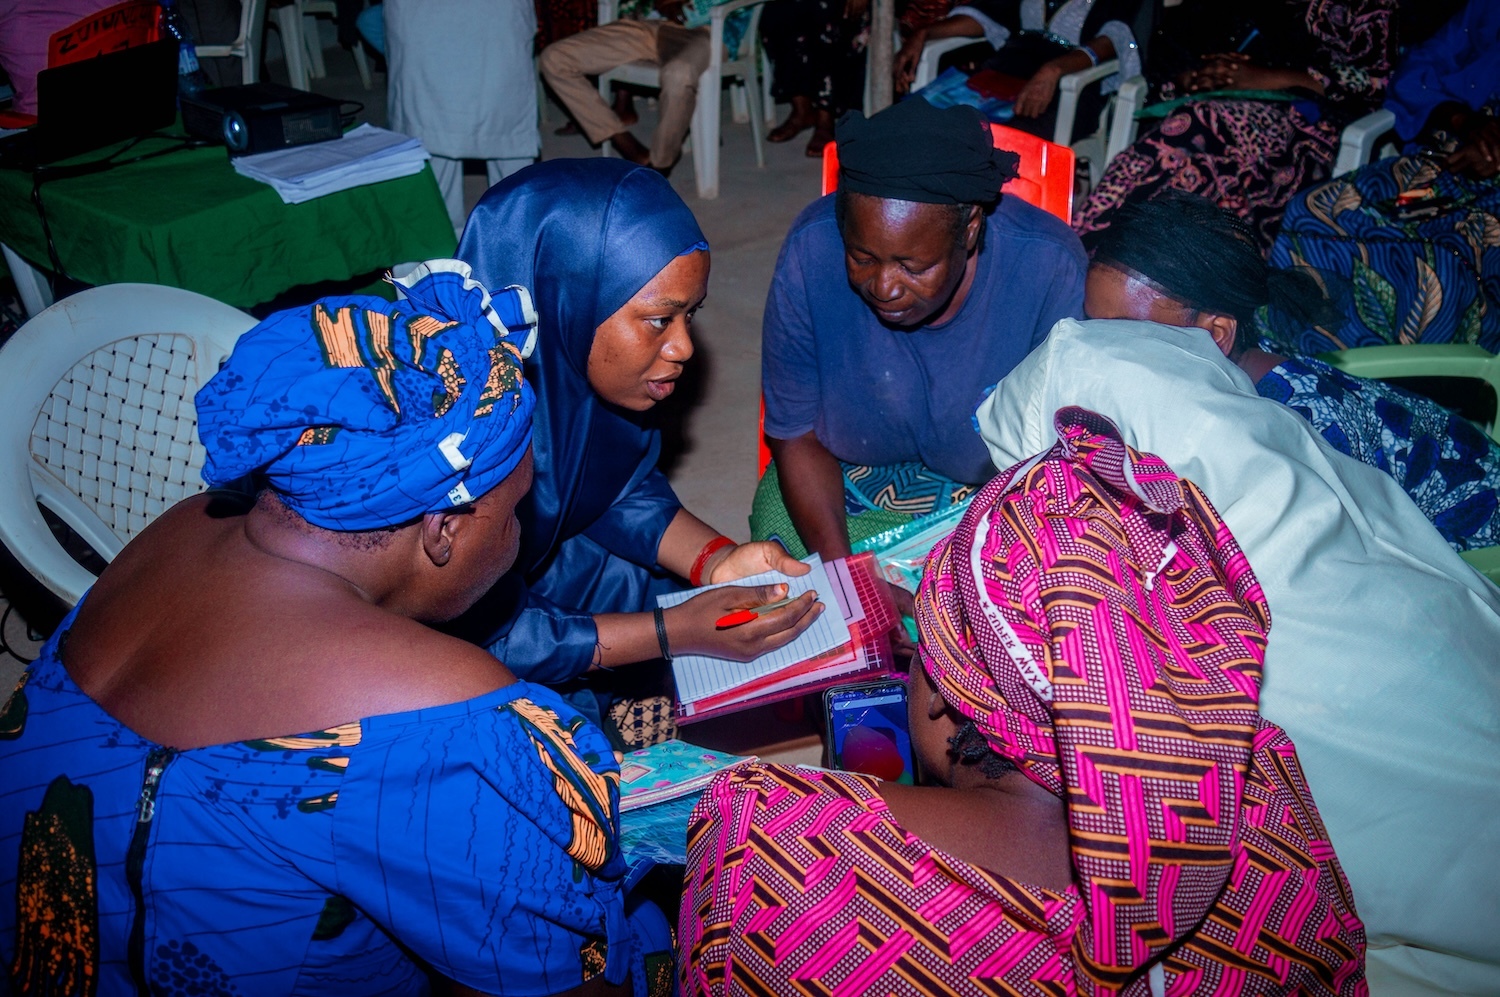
<point>893,305</point>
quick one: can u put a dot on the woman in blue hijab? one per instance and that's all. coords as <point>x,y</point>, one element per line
<point>617,266</point>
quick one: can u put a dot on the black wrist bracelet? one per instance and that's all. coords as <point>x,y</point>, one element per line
<point>661,632</point>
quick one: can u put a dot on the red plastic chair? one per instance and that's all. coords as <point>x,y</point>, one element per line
<point>1045,180</point>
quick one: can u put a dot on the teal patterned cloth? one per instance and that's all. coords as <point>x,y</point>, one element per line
<point>696,14</point>
<point>876,499</point>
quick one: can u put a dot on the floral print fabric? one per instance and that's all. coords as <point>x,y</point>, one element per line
<point>1449,468</point>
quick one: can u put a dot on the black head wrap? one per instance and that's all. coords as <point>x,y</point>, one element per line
<point>913,151</point>
<point>1203,256</point>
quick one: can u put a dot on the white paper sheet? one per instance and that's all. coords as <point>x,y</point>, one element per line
<point>364,155</point>
<point>699,676</point>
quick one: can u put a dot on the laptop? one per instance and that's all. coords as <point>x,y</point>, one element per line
<point>89,104</point>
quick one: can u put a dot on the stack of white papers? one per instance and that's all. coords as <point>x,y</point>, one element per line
<point>364,155</point>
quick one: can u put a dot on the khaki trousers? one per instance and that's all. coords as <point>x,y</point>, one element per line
<point>681,53</point>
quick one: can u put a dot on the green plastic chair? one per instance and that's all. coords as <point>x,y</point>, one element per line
<point>1432,360</point>
<point>1422,360</point>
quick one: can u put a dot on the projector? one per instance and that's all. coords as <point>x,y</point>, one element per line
<point>260,117</point>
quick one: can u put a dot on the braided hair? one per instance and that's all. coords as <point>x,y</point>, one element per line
<point>1204,257</point>
<point>970,747</point>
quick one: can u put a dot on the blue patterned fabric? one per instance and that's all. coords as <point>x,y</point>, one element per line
<point>365,413</point>
<point>478,837</point>
<point>1414,279</point>
<point>1419,277</point>
<point>1449,468</point>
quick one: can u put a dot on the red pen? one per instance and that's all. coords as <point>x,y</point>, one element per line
<point>742,616</point>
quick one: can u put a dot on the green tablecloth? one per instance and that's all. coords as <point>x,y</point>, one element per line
<point>188,220</point>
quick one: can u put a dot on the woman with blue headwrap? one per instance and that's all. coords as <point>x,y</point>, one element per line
<point>618,266</point>
<point>243,764</point>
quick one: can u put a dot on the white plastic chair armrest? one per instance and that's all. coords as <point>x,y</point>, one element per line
<point>723,10</point>
<point>46,562</point>
<point>1069,88</point>
<point>1128,101</point>
<point>1075,82</point>
<point>716,18</point>
<point>1359,138</point>
<point>932,52</point>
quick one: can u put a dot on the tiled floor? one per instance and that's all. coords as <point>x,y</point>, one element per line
<point>714,467</point>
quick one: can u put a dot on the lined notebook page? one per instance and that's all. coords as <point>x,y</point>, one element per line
<point>699,676</point>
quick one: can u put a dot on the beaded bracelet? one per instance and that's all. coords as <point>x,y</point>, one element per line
<point>1093,56</point>
<point>695,577</point>
<point>661,633</point>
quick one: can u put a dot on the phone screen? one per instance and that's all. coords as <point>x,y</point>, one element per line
<point>867,730</point>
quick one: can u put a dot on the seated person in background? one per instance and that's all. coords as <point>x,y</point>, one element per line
<point>1038,43</point>
<point>1102,807</point>
<point>1418,235</point>
<point>818,52</point>
<point>1266,87</point>
<point>26,29</point>
<point>677,43</point>
<point>1381,664</point>
<point>1181,261</point>
<point>894,303</point>
<point>243,764</point>
<point>619,268</point>
<point>492,114</point>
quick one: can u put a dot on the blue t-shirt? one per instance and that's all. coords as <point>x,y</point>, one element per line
<point>877,395</point>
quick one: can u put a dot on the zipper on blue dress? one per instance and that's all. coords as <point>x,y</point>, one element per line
<point>135,861</point>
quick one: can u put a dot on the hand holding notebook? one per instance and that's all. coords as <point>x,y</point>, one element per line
<point>694,625</point>
<point>848,639</point>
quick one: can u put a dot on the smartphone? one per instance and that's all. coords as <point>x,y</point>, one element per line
<point>1416,205</point>
<point>866,730</point>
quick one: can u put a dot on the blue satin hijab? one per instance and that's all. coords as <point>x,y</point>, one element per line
<point>584,235</point>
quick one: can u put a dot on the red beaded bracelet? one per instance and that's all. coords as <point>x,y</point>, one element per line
<point>695,577</point>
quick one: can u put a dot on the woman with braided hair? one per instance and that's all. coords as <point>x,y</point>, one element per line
<point>1182,261</point>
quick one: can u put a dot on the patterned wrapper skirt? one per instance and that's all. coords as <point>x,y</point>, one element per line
<point>1248,156</point>
<point>1429,273</point>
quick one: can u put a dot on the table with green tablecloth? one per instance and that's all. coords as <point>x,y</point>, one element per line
<point>187,219</point>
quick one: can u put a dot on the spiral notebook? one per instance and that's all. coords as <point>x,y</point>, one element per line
<point>850,638</point>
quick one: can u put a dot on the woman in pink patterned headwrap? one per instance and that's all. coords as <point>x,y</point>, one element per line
<point>1105,810</point>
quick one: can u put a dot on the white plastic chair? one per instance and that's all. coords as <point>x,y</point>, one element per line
<point>932,52</point>
<point>99,424</point>
<point>1070,87</point>
<point>1357,144</point>
<point>310,10</point>
<point>248,46</point>
<point>743,72</point>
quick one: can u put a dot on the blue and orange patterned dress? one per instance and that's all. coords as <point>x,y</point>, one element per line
<point>476,840</point>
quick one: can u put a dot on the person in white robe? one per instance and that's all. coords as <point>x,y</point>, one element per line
<point>1383,661</point>
<point>462,79</point>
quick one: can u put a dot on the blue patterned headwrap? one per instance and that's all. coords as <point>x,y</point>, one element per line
<point>364,413</point>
